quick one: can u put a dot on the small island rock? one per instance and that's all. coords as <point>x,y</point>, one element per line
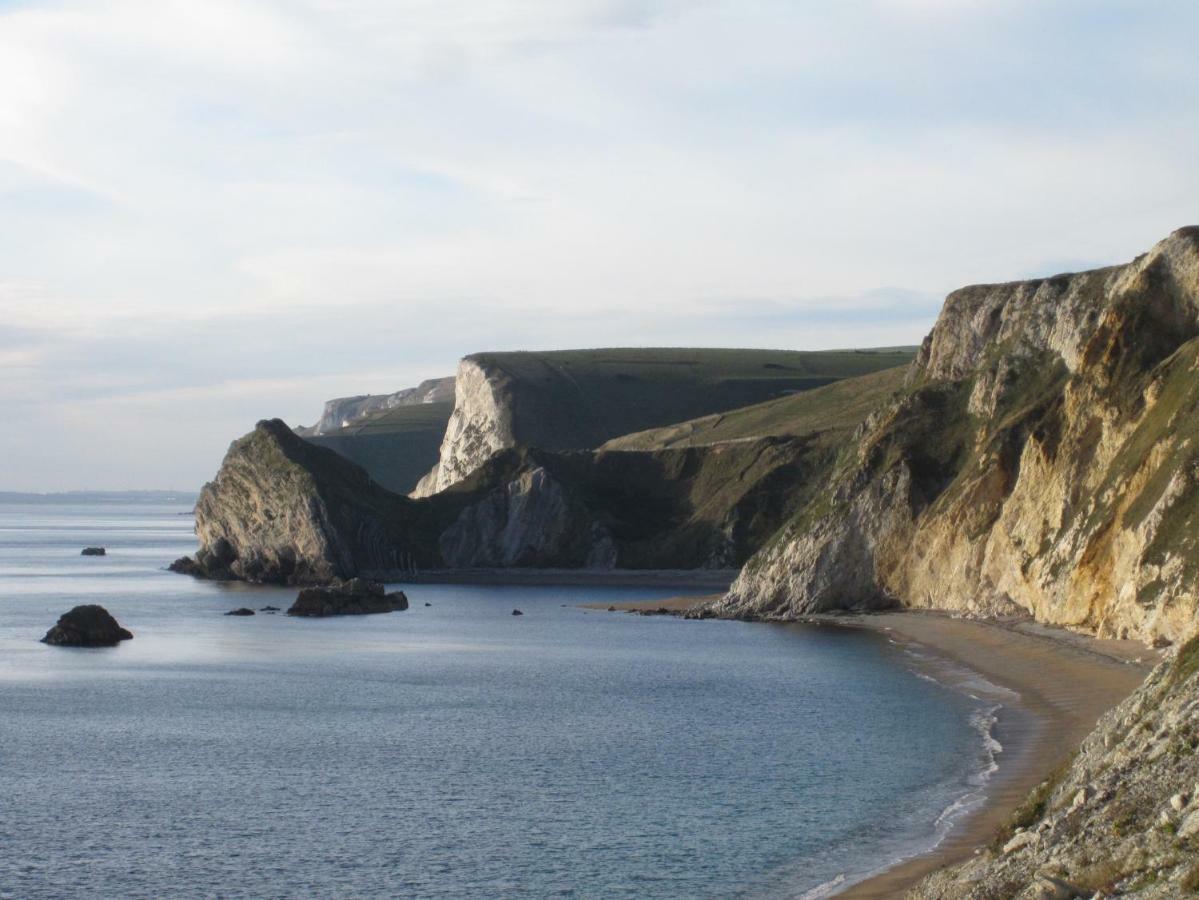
<point>93,551</point>
<point>86,626</point>
<point>354,597</point>
<point>243,611</point>
<point>517,612</point>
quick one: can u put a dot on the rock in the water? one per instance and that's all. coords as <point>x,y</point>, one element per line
<point>243,611</point>
<point>86,626</point>
<point>354,597</point>
<point>517,612</point>
<point>269,609</point>
<point>428,604</point>
<point>92,551</point>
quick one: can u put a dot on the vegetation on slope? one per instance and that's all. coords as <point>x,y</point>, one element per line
<point>840,406</point>
<point>578,399</point>
<point>396,446</point>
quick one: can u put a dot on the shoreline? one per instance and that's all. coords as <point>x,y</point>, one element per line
<point>1060,683</point>
<point>705,579</point>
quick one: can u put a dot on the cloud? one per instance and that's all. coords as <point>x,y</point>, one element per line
<point>274,202</point>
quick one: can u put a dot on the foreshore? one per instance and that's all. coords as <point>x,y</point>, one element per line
<point>701,579</point>
<point>1061,682</point>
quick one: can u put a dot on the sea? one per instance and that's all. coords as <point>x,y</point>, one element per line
<point>452,750</point>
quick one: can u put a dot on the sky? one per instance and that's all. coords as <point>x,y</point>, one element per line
<point>213,212</point>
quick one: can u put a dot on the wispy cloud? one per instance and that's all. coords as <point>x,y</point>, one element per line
<point>215,211</point>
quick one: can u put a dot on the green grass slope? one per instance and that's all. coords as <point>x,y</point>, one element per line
<point>574,399</point>
<point>832,408</point>
<point>396,446</point>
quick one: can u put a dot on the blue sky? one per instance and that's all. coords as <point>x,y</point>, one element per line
<point>214,212</point>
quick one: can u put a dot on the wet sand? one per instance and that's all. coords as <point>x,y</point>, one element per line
<point>1064,683</point>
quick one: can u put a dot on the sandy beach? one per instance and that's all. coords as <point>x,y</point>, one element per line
<point>686,579</point>
<point>1064,682</point>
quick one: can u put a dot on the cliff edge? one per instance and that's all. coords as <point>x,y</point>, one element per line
<point>1041,459</point>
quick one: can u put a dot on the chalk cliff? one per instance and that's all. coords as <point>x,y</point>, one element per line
<point>342,412</point>
<point>1042,458</point>
<point>579,399</point>
<point>283,510</point>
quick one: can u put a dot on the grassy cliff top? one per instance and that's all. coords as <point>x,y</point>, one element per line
<point>701,364</point>
<point>573,399</point>
<point>396,446</point>
<point>839,406</point>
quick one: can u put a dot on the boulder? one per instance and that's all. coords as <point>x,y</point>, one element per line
<point>86,626</point>
<point>269,609</point>
<point>92,551</point>
<point>517,612</point>
<point>243,611</point>
<point>353,597</point>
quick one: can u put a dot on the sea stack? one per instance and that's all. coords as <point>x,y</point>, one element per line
<point>354,597</point>
<point>86,626</point>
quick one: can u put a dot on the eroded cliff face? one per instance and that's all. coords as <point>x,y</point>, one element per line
<point>529,520</point>
<point>1042,458</point>
<point>479,427</point>
<point>282,510</point>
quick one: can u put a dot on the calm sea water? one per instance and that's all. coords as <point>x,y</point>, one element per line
<point>453,750</point>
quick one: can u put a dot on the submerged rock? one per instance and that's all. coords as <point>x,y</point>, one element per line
<point>354,597</point>
<point>243,611</point>
<point>93,551</point>
<point>517,612</point>
<point>86,626</point>
<point>269,609</point>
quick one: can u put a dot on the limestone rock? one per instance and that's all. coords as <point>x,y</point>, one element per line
<point>1041,461</point>
<point>86,626</point>
<point>284,511</point>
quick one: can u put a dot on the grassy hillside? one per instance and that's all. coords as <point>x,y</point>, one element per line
<point>581,398</point>
<point>835,407</point>
<point>396,446</point>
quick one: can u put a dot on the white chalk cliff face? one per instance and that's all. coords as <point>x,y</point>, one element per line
<point>1043,457</point>
<point>526,522</point>
<point>479,427</point>
<point>341,412</point>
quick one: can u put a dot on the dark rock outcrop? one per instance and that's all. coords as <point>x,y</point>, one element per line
<point>284,511</point>
<point>86,626</point>
<point>242,611</point>
<point>517,612</point>
<point>355,597</point>
<point>93,551</point>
